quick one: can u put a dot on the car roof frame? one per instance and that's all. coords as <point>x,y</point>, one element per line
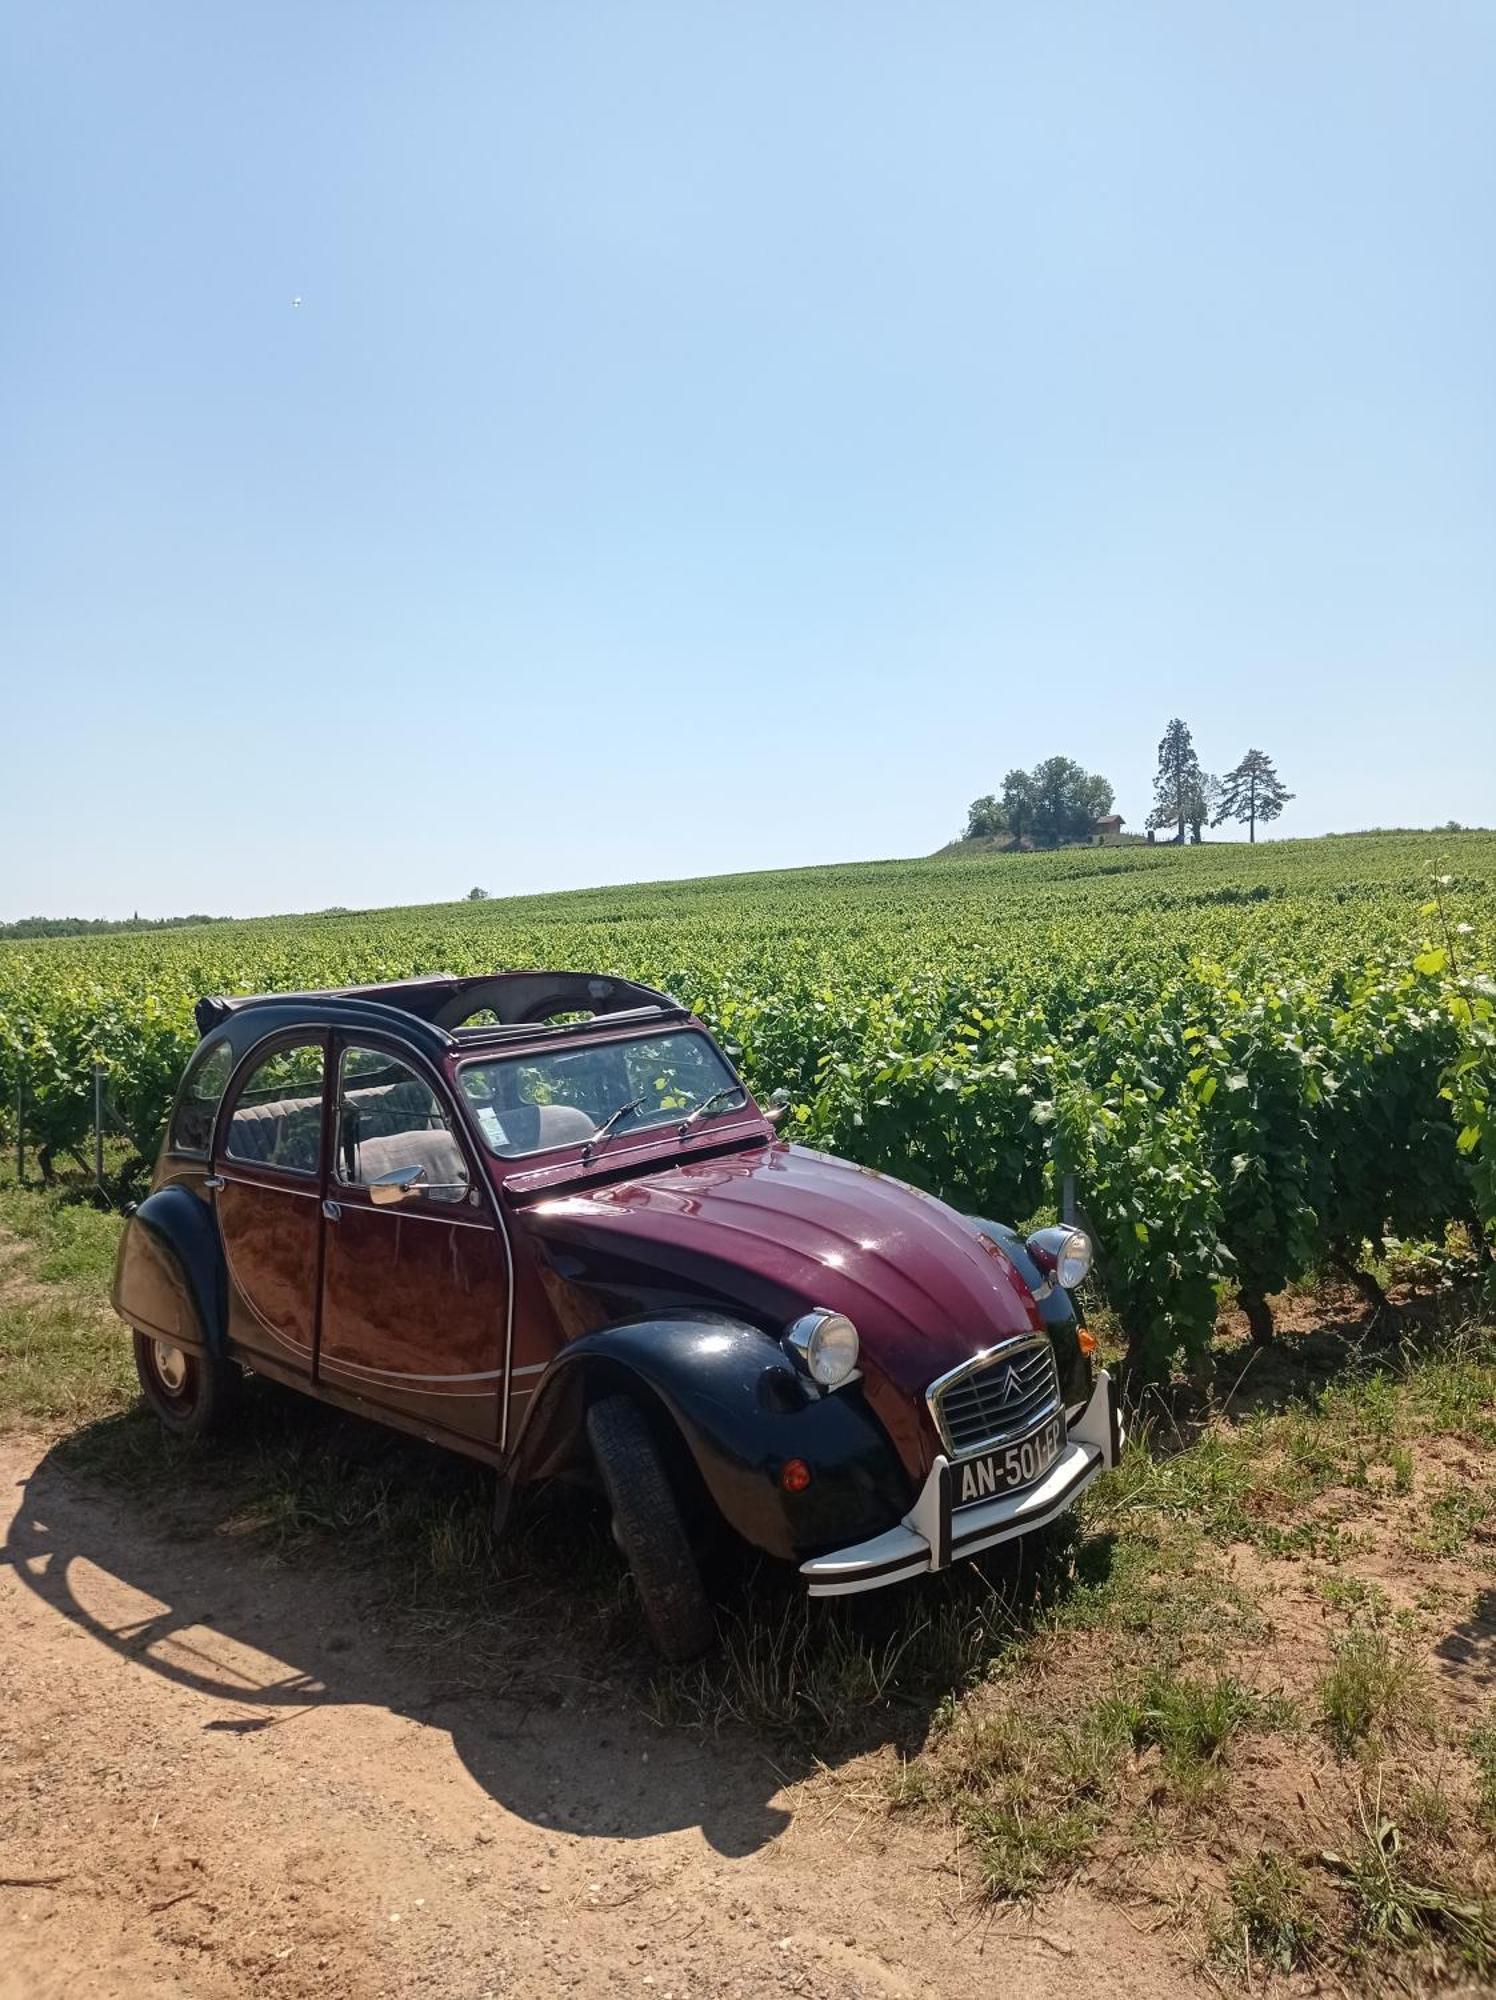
<point>412,1009</point>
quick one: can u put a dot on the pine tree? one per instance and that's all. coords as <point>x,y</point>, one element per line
<point>1251,792</point>
<point>1180,783</point>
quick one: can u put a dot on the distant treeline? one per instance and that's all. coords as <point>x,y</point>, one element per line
<point>49,927</point>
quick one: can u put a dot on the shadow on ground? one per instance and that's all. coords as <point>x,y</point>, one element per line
<point>318,1561</point>
<point>1470,1648</point>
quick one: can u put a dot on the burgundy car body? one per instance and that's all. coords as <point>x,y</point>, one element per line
<point>666,1259</point>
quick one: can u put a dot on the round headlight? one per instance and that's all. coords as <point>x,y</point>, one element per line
<point>1073,1259</point>
<point>825,1345</point>
<point>1064,1252</point>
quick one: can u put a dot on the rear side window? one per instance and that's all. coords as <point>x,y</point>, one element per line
<point>277,1117</point>
<point>202,1092</point>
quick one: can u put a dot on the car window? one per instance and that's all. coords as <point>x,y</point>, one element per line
<point>562,1097</point>
<point>202,1091</point>
<point>277,1116</point>
<point>390,1122</point>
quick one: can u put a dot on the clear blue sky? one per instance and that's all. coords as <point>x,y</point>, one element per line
<point>721,437</point>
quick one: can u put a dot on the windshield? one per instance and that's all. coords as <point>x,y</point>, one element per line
<point>564,1097</point>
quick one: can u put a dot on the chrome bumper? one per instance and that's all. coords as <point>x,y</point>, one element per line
<point>933,1534</point>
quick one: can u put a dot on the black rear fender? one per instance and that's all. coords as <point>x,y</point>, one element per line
<point>731,1397</point>
<point>169,1274</point>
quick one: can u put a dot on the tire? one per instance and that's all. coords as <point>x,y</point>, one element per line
<point>192,1394</point>
<point>648,1528</point>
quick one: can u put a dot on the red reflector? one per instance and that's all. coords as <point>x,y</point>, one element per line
<point>794,1475</point>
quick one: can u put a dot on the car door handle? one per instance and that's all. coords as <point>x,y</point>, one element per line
<point>331,1210</point>
<point>214,1182</point>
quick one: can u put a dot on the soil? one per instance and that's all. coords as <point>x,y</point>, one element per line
<point>219,1777</point>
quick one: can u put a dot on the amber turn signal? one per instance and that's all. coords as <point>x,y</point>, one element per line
<point>1087,1340</point>
<point>794,1475</point>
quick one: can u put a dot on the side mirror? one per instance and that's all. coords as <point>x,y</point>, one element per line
<point>397,1186</point>
<point>779,1104</point>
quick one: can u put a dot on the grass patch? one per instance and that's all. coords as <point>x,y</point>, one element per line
<point>1455,1519</point>
<point>64,1357</point>
<point>1035,1778</point>
<point>1483,1755</point>
<point>1030,1793</point>
<point>1272,1921</point>
<point>1020,1848</point>
<point>1353,1594</point>
<point>1374,1691</point>
<point>1191,1720</point>
<point>61,1363</point>
<point>71,1240</point>
<point>1394,1907</point>
<point>1428,1814</point>
<point>1291,1480</point>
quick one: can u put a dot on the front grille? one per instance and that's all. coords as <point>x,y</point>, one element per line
<point>997,1397</point>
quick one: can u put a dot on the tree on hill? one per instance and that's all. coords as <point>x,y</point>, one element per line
<point>1068,801</point>
<point>1018,803</point>
<point>1251,792</point>
<point>1179,785</point>
<point>985,818</point>
<point>1009,812</point>
<point>477,895</point>
<point>1056,802</point>
<point>1204,799</point>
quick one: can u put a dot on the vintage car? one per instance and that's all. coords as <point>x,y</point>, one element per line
<point>537,1217</point>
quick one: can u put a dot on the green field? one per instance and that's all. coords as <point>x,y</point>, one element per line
<point>1239,1053</point>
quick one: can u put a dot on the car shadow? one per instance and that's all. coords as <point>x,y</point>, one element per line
<point>179,1561</point>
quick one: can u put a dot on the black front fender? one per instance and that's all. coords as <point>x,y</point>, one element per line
<point>743,1411</point>
<point>169,1273</point>
<point>1056,1309</point>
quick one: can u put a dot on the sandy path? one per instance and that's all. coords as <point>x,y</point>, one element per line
<point>239,1788</point>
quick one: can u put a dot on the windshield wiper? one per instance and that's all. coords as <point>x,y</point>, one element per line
<point>704,1105</point>
<point>607,1125</point>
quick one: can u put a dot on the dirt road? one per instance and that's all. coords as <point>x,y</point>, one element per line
<point>216,1778</point>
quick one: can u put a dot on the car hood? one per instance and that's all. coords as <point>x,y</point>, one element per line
<point>778,1229</point>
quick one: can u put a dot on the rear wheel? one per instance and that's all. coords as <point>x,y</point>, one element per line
<point>191,1393</point>
<point>647,1526</point>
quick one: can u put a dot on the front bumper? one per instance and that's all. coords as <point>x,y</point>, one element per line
<point>933,1534</point>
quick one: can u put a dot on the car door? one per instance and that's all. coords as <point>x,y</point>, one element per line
<point>415,1274</point>
<point>267,1168</point>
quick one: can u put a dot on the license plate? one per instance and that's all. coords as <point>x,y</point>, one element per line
<point>1011,1465</point>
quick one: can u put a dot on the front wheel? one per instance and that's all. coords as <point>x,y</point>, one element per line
<point>192,1394</point>
<point>648,1528</point>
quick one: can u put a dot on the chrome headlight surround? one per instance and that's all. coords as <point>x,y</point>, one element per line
<point>1064,1253</point>
<point>824,1343</point>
